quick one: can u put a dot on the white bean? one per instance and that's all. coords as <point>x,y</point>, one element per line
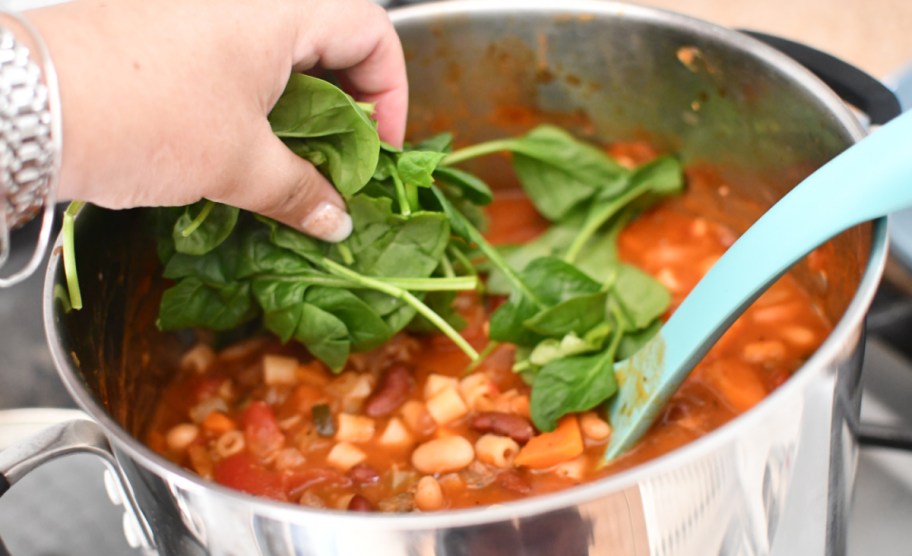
<point>428,494</point>
<point>594,427</point>
<point>442,455</point>
<point>181,436</point>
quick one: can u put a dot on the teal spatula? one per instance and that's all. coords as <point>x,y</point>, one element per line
<point>869,180</point>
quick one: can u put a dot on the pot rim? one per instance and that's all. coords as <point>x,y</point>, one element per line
<point>540,504</point>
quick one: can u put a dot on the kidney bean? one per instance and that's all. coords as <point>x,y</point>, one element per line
<point>511,480</point>
<point>391,392</point>
<point>359,503</point>
<point>363,474</point>
<point>504,424</point>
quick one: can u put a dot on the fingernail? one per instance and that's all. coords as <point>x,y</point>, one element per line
<point>328,222</point>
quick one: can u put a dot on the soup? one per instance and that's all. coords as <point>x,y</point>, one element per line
<point>406,427</point>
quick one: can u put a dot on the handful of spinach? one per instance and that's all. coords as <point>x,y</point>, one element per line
<point>573,308</point>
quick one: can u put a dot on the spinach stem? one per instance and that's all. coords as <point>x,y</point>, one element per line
<point>366,107</point>
<point>411,192</point>
<point>485,353</point>
<point>198,221</point>
<point>463,260</point>
<point>401,195</point>
<point>447,266</point>
<point>456,283</point>
<point>69,254</point>
<point>474,151</point>
<point>346,253</point>
<point>406,296</point>
<point>497,260</point>
<point>597,220</point>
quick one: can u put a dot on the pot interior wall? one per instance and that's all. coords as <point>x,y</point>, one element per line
<point>626,76</point>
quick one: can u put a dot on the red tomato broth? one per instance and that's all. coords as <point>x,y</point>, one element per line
<point>761,350</point>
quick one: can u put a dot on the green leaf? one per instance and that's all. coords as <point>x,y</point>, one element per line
<point>417,167</point>
<point>559,172</point>
<point>552,349</point>
<point>633,341</point>
<point>570,385</point>
<point>218,224</point>
<point>555,280</point>
<point>642,298</point>
<point>216,267</point>
<point>473,188</point>
<point>552,281</point>
<point>442,143</point>
<point>325,125</point>
<point>325,335</point>
<point>190,304</point>
<point>649,184</point>
<point>578,314</point>
<point>281,301</point>
<point>387,244</point>
<point>366,329</point>
<point>259,255</point>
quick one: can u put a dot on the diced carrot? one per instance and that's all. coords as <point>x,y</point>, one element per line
<point>217,423</point>
<point>306,396</point>
<point>313,373</point>
<point>551,448</point>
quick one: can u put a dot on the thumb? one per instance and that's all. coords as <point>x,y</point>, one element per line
<point>283,186</point>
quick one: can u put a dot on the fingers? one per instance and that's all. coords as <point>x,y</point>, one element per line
<point>369,62</point>
<point>283,186</point>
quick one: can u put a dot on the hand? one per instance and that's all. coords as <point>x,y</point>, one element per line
<point>165,102</point>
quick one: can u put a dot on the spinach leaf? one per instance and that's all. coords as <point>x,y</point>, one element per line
<point>192,304</point>
<point>322,123</point>
<point>203,226</point>
<point>442,143</point>
<point>387,244</point>
<point>281,302</point>
<point>649,183</point>
<point>473,188</point>
<point>577,314</point>
<point>258,254</point>
<point>570,385</point>
<point>552,282</point>
<point>366,329</point>
<point>417,167</point>
<point>642,298</point>
<point>216,267</point>
<point>324,334</point>
<point>557,171</point>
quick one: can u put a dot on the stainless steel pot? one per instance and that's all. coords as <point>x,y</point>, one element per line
<point>775,480</point>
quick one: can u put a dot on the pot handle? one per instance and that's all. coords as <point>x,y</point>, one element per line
<point>63,439</point>
<point>852,84</point>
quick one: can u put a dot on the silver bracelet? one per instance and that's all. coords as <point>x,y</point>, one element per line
<point>30,142</point>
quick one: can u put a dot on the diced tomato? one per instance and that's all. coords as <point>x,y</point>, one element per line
<point>244,472</point>
<point>261,431</point>
<point>205,386</point>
